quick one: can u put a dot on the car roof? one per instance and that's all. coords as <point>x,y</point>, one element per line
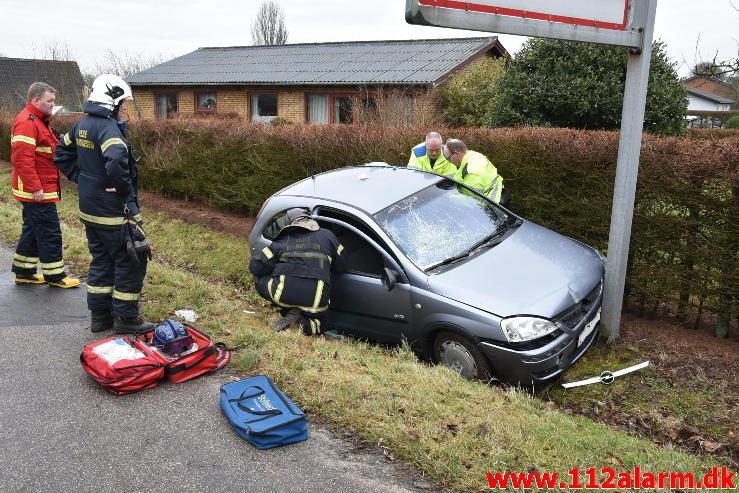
<point>370,187</point>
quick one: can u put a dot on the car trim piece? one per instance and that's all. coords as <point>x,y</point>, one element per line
<point>606,377</point>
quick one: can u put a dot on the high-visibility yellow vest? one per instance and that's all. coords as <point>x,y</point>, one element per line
<point>476,171</point>
<point>420,160</point>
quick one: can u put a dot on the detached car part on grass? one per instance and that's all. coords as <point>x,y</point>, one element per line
<point>606,377</point>
<point>468,283</point>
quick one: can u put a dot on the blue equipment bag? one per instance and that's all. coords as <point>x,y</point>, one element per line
<point>262,414</point>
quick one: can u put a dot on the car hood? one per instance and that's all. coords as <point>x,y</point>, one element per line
<point>534,271</point>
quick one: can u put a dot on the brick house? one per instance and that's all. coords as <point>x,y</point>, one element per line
<point>312,82</point>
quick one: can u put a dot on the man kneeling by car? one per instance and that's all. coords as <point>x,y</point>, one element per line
<point>294,272</point>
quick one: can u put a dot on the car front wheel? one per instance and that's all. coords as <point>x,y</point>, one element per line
<point>460,354</point>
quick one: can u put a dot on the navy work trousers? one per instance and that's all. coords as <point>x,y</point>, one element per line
<point>115,280</point>
<point>295,292</point>
<point>40,241</point>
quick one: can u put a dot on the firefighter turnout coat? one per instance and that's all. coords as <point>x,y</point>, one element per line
<point>96,155</point>
<point>32,144</point>
<point>297,268</point>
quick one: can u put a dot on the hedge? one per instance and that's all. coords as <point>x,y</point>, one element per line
<point>684,250</point>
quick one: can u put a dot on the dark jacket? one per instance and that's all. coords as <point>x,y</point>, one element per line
<point>96,155</point>
<point>298,252</point>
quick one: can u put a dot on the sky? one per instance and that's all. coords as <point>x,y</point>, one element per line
<point>694,30</point>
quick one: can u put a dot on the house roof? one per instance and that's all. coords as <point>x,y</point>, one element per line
<point>709,96</point>
<point>706,77</point>
<point>17,74</point>
<point>406,62</point>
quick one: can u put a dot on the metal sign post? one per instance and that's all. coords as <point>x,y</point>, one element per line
<point>615,22</point>
<point>627,169</point>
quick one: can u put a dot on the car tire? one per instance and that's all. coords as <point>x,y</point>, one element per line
<point>460,355</point>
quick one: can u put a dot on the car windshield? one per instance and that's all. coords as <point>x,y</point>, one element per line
<point>441,222</point>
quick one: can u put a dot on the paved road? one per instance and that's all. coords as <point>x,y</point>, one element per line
<point>61,432</point>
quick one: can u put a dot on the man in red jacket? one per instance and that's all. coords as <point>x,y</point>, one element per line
<point>35,183</point>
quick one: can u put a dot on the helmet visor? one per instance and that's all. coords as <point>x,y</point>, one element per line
<point>179,345</point>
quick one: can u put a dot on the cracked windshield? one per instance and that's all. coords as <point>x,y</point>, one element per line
<point>440,222</point>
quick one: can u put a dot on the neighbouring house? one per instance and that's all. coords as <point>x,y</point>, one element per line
<point>699,100</point>
<point>712,86</point>
<point>17,74</point>
<point>311,82</point>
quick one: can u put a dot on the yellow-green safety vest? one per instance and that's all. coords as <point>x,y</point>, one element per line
<point>476,171</point>
<point>420,160</point>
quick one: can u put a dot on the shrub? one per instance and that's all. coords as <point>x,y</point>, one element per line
<point>732,122</point>
<point>467,98</point>
<point>581,85</point>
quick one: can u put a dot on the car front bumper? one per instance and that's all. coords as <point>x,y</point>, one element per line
<point>526,367</point>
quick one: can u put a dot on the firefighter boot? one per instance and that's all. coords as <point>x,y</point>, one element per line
<point>66,283</point>
<point>100,321</point>
<point>32,279</point>
<point>132,325</point>
<point>287,320</point>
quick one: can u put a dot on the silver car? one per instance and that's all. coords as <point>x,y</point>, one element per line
<point>466,282</point>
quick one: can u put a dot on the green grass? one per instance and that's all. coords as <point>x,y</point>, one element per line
<point>450,429</point>
<point>697,401</point>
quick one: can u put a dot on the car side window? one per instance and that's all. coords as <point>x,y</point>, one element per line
<point>359,256</point>
<point>275,225</point>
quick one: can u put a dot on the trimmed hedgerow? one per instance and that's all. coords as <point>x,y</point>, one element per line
<point>684,246</point>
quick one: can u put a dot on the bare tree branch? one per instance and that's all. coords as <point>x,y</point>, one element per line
<point>269,27</point>
<point>59,51</point>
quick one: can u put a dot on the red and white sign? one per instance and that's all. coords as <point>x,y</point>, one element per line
<point>612,22</point>
<point>604,14</point>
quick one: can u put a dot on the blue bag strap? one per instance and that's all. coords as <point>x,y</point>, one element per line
<point>269,412</point>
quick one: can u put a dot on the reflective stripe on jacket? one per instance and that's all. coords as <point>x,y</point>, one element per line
<point>420,160</point>
<point>96,155</point>
<point>32,145</point>
<point>476,171</point>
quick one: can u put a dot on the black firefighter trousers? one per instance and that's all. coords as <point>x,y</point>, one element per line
<point>40,241</point>
<point>115,280</point>
<point>310,296</point>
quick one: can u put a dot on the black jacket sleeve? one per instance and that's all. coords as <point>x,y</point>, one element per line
<point>263,262</point>
<point>65,155</point>
<point>339,264</point>
<point>115,153</point>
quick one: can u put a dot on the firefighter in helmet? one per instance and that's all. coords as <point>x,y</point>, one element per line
<point>96,155</point>
<point>294,272</point>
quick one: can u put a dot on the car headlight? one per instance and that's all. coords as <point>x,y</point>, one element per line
<point>522,329</point>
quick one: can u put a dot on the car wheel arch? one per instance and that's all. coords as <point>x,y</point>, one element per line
<point>461,354</point>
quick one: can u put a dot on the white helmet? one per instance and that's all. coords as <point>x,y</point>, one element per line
<point>109,90</point>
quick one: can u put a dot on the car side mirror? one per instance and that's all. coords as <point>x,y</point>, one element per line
<point>389,278</point>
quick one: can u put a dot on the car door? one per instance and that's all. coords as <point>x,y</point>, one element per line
<point>360,302</point>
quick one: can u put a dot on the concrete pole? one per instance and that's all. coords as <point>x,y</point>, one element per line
<point>627,169</point>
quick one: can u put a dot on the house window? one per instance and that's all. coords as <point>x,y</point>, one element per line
<point>343,109</point>
<point>263,107</point>
<point>205,101</point>
<point>166,105</point>
<point>318,108</point>
<point>330,108</point>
